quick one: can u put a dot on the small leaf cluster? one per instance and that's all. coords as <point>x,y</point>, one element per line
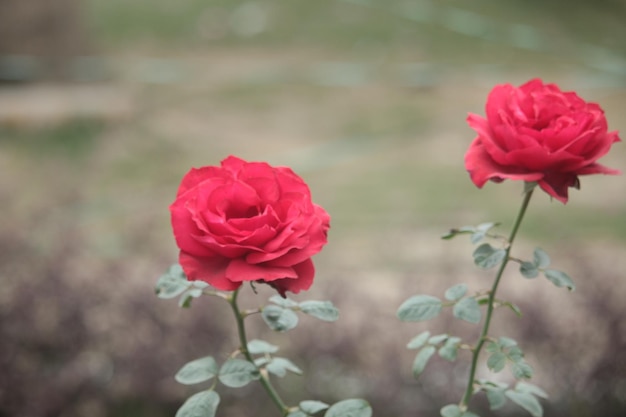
<point>540,263</point>
<point>424,307</point>
<point>174,283</point>
<point>354,407</point>
<point>485,256</point>
<point>233,373</point>
<point>506,351</point>
<point>281,314</point>
<point>445,345</point>
<point>274,365</point>
<point>523,394</point>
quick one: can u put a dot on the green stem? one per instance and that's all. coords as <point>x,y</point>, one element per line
<point>492,296</point>
<point>243,340</point>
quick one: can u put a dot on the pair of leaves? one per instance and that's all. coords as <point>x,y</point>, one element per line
<point>234,373</point>
<point>448,349</point>
<point>174,283</point>
<point>354,407</point>
<point>280,316</point>
<point>424,307</point>
<point>504,351</point>
<point>540,263</point>
<point>524,394</point>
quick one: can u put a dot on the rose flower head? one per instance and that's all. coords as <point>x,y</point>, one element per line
<point>538,133</point>
<point>247,221</point>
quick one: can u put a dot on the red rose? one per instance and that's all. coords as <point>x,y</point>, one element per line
<point>538,133</point>
<point>248,221</point>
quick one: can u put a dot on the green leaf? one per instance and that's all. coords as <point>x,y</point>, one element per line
<point>456,292</point>
<point>188,296</point>
<point>515,354</point>
<point>323,310</point>
<point>256,347</point>
<point>435,340</point>
<point>312,407</point>
<point>185,301</point>
<point>172,283</point>
<point>202,404</point>
<point>199,284</point>
<point>496,398</point>
<point>451,410</point>
<point>485,227</point>
<point>279,318</point>
<point>450,349</point>
<point>419,307</point>
<point>477,237</point>
<point>262,361</point>
<point>496,361</point>
<point>421,359</point>
<point>492,347</point>
<point>527,401</point>
<point>283,302</point>
<point>297,413</point>
<point>197,371</point>
<point>560,279</point>
<point>280,366</point>
<point>506,342</point>
<point>522,370</point>
<point>541,258</point>
<point>467,309</point>
<point>237,373</point>
<point>419,340</point>
<point>350,408</point>
<point>528,270</point>
<point>531,389</point>
<point>486,256</point>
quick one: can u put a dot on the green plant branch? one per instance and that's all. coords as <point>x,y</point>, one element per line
<point>492,297</point>
<point>243,340</point>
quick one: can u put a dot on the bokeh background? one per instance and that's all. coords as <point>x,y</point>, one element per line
<point>105,104</point>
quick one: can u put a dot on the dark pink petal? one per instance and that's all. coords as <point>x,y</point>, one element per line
<point>233,165</point>
<point>305,272</point>
<point>557,184</point>
<point>597,168</point>
<point>209,270</point>
<point>239,270</point>
<point>197,176</point>
<point>483,168</point>
<point>186,230</point>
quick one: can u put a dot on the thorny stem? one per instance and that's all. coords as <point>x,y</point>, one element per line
<point>491,301</point>
<point>243,340</point>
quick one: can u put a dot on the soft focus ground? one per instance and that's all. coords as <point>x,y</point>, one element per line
<point>367,102</point>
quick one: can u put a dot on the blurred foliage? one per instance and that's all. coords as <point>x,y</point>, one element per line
<point>364,98</point>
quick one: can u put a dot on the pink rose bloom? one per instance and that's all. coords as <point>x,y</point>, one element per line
<point>248,221</point>
<point>536,132</point>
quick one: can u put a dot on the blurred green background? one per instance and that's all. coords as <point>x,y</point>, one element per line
<point>105,105</point>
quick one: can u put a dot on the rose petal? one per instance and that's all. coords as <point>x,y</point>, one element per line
<point>483,168</point>
<point>239,270</point>
<point>305,271</point>
<point>209,270</point>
